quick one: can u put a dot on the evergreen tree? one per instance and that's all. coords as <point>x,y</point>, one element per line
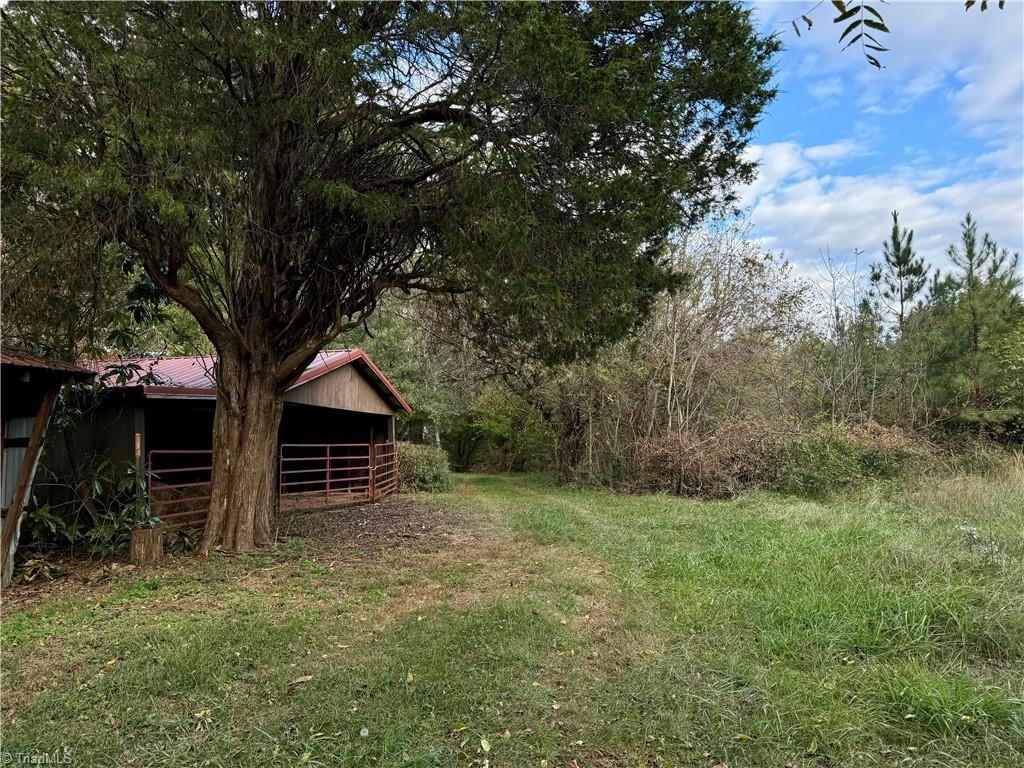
<point>978,309</point>
<point>279,168</point>
<point>902,275</point>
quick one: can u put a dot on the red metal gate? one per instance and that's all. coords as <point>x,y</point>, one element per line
<point>310,476</point>
<point>178,487</point>
<point>335,474</point>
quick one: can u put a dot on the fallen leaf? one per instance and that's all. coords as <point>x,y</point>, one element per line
<point>485,745</point>
<point>300,680</point>
<point>408,677</point>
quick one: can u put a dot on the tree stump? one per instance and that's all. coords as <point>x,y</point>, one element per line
<point>147,546</point>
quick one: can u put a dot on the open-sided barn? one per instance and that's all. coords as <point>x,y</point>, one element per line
<point>335,442</point>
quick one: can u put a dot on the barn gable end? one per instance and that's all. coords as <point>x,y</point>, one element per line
<point>344,388</point>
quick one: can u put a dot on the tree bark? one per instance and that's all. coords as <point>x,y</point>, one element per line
<point>147,546</point>
<point>249,406</point>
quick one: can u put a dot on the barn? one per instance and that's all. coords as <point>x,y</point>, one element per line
<point>335,443</point>
<point>30,385</point>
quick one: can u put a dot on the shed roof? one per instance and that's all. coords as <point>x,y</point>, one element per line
<point>193,376</point>
<point>23,359</point>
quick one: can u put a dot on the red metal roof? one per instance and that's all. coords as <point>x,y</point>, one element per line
<point>193,376</point>
<point>24,359</point>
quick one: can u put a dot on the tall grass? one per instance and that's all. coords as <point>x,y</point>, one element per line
<point>880,628</point>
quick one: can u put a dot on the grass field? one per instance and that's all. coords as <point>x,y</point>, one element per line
<point>510,623</point>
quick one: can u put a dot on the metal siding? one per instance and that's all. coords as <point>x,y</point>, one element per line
<point>19,427</point>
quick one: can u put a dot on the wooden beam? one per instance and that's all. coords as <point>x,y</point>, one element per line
<point>26,472</point>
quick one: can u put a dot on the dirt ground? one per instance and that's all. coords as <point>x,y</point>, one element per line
<point>365,532</point>
<point>393,522</point>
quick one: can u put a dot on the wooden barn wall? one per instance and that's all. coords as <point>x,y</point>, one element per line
<point>344,388</point>
<point>106,430</point>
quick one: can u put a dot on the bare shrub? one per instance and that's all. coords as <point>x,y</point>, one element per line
<point>734,458</point>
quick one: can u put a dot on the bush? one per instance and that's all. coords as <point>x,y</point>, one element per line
<point>116,499</point>
<point>423,468</point>
<point>985,459</point>
<point>832,459</point>
<point>736,458</point>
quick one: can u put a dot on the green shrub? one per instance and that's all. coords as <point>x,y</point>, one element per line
<point>423,468</point>
<point>117,495</point>
<point>512,434</point>
<point>832,459</point>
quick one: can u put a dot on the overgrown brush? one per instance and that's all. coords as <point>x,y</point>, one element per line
<point>423,468</point>
<point>837,458</point>
<point>751,455</point>
<point>735,458</point>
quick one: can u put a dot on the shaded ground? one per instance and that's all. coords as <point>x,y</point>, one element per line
<point>394,522</point>
<point>363,530</point>
<point>510,623</point>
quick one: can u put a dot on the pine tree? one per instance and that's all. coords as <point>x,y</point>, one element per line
<point>901,277</point>
<point>979,309</point>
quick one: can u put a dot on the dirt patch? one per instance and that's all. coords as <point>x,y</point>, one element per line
<point>365,532</point>
<point>372,528</point>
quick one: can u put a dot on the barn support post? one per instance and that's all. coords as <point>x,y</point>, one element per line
<point>26,473</point>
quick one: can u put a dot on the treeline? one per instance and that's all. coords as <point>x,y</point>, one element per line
<point>747,377</point>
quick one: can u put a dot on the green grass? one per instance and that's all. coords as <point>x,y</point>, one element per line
<point>880,629</point>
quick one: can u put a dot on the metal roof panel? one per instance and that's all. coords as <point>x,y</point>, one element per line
<point>193,375</point>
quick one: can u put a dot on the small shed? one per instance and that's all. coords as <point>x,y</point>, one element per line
<point>30,385</point>
<point>335,442</point>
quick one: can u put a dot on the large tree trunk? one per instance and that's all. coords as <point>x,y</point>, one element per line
<point>249,406</point>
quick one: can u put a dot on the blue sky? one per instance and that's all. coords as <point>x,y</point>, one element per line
<point>938,132</point>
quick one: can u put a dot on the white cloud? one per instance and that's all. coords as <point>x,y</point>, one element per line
<point>975,58</point>
<point>777,163</point>
<point>837,150</point>
<point>784,161</point>
<point>991,99</point>
<point>810,198</point>
<point>846,213</point>
<point>826,89</point>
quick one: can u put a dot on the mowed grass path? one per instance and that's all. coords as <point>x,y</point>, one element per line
<point>560,628</point>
